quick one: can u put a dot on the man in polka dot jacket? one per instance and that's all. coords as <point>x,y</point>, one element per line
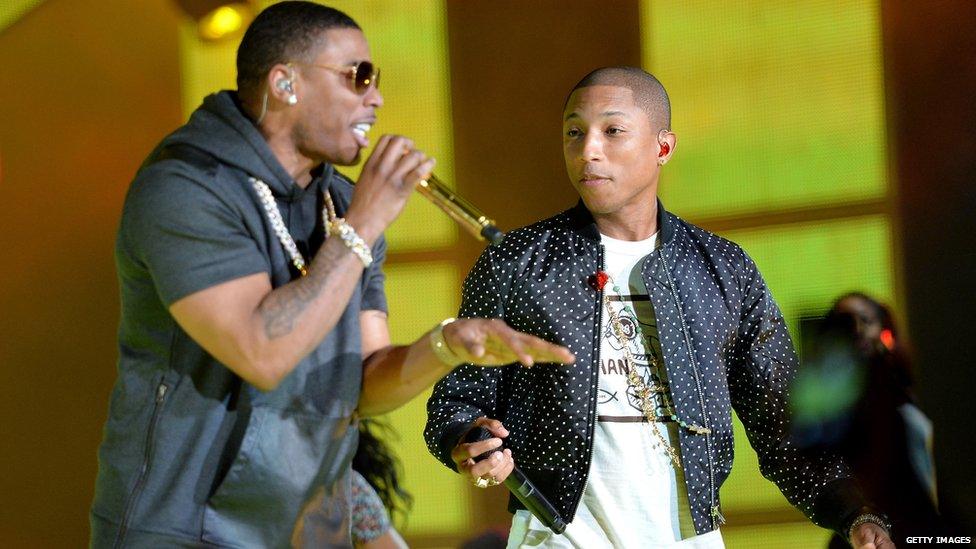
<point>722,339</point>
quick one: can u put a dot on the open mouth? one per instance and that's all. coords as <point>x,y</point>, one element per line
<point>593,180</point>
<point>359,131</point>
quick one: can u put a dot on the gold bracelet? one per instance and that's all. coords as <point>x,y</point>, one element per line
<point>350,239</point>
<point>440,347</point>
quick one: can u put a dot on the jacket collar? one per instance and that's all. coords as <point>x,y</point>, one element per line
<point>581,222</point>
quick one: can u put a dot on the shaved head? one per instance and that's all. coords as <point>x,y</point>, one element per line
<point>648,92</point>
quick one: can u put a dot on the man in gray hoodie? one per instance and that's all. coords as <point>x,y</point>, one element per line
<point>253,331</point>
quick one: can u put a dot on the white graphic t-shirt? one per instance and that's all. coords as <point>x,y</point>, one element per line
<point>634,496</point>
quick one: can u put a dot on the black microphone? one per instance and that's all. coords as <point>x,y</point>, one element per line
<point>522,487</point>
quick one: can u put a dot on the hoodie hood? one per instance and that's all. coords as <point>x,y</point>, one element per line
<point>220,128</point>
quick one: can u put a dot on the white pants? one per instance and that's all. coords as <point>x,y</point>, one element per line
<point>527,531</point>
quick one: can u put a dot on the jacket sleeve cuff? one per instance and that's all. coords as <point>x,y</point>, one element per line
<point>449,439</point>
<point>839,504</point>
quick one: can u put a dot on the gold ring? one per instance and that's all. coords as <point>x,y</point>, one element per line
<point>493,482</point>
<point>482,482</point>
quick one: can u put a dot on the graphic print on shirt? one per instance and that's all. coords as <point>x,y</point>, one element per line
<point>635,494</point>
<point>617,397</point>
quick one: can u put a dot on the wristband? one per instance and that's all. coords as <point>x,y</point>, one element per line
<point>872,518</point>
<point>440,347</point>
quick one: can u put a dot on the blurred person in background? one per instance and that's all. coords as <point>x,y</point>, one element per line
<point>889,443</point>
<point>854,396</point>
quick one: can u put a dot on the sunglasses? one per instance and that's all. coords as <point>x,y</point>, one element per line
<point>363,74</point>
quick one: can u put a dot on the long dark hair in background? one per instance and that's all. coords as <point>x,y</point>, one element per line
<point>381,468</point>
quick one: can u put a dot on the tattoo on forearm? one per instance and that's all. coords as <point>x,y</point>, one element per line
<point>284,305</point>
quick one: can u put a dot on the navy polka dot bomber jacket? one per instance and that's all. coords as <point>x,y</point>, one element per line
<point>725,346</point>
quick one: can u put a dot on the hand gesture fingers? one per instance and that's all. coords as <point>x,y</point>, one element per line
<point>534,349</point>
<point>469,456</point>
<point>393,154</point>
<point>493,425</point>
<point>464,452</point>
<point>372,163</point>
<point>413,167</point>
<point>491,342</point>
<point>503,469</point>
<point>467,451</point>
<point>487,467</point>
<point>386,182</point>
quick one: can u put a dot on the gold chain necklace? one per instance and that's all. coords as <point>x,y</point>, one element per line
<point>278,223</point>
<point>645,393</point>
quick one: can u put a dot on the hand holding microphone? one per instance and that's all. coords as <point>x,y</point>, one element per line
<point>482,457</point>
<point>480,454</point>
<point>386,182</point>
<point>396,164</point>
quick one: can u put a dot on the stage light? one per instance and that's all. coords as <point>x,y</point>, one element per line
<point>223,21</point>
<point>218,19</point>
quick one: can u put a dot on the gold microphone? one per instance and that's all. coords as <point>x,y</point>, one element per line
<point>460,209</point>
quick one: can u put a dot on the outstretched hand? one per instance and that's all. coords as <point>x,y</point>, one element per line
<point>491,342</point>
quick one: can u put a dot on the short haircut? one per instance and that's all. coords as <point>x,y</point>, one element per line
<point>649,93</point>
<point>284,32</point>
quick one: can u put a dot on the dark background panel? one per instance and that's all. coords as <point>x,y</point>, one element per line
<point>512,65</point>
<point>930,64</point>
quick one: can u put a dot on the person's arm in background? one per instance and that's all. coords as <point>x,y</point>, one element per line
<point>371,526</point>
<point>761,368</point>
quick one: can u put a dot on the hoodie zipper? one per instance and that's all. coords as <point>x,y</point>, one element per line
<point>144,469</point>
<point>716,515</point>
<point>593,386</point>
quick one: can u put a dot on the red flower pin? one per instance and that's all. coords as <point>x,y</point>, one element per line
<point>599,280</point>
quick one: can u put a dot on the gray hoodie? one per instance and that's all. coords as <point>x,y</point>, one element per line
<point>192,455</point>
